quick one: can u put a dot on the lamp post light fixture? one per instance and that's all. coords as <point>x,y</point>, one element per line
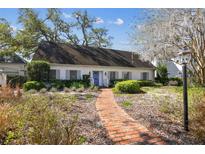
<point>184,58</point>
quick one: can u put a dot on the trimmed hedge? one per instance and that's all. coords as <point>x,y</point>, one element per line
<point>115,81</point>
<point>145,83</point>
<point>61,84</point>
<point>142,83</point>
<point>33,85</point>
<point>129,86</point>
<point>38,70</point>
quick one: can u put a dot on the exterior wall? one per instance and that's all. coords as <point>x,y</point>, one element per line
<point>103,70</point>
<point>174,70</point>
<point>3,78</point>
<point>13,69</point>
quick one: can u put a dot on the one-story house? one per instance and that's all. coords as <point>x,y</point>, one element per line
<point>103,65</point>
<point>12,65</point>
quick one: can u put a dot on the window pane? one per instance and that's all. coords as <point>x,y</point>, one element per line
<point>73,75</point>
<point>126,75</point>
<point>52,74</point>
<point>112,75</point>
<point>145,76</point>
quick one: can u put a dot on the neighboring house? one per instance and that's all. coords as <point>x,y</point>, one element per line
<point>174,69</point>
<point>72,62</point>
<point>11,66</point>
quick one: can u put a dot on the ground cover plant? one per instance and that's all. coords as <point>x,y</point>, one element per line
<point>160,109</point>
<point>50,118</point>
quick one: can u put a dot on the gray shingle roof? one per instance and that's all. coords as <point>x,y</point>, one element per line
<point>11,59</point>
<point>81,55</point>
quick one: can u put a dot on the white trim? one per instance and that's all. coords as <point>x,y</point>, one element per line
<point>117,67</point>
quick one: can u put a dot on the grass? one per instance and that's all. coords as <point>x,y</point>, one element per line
<point>127,104</point>
<point>174,108</point>
<point>89,96</point>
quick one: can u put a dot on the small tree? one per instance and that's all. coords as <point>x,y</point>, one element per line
<point>162,73</point>
<point>38,70</point>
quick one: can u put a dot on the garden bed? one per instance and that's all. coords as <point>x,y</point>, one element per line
<point>161,111</point>
<point>51,118</point>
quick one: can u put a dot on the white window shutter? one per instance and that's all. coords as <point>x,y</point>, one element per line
<point>78,75</point>
<point>130,75</point>
<point>57,74</point>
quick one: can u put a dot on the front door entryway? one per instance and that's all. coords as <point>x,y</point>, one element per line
<point>96,78</point>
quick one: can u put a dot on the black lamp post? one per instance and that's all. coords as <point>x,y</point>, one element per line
<point>184,59</point>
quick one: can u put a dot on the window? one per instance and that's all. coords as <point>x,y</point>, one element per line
<point>52,74</point>
<point>74,74</point>
<point>145,76</point>
<point>113,75</point>
<point>126,75</point>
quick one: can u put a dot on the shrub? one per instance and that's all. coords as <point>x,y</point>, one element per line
<point>43,90</point>
<point>14,81</point>
<point>42,120</point>
<point>58,84</point>
<point>38,70</point>
<point>127,104</point>
<point>142,83</point>
<point>73,89</point>
<point>80,89</point>
<point>86,77</point>
<point>197,117</point>
<point>6,118</point>
<point>77,85</point>
<point>129,86</point>
<point>145,83</point>
<point>6,92</point>
<point>178,80</point>
<point>93,88</point>
<point>88,96</point>
<point>114,82</point>
<point>32,91</point>
<point>162,74</point>
<point>53,89</point>
<point>66,90</point>
<point>33,85</point>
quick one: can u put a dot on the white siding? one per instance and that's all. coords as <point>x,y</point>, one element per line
<point>13,69</point>
<point>104,71</point>
<point>3,79</point>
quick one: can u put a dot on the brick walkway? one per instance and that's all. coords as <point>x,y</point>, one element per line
<point>121,128</point>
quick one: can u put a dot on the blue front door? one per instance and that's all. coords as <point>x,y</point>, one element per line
<point>96,77</point>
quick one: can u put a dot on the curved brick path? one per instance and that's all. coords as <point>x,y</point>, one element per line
<point>121,128</point>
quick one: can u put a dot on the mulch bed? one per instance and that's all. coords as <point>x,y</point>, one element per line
<point>145,109</point>
<point>89,124</point>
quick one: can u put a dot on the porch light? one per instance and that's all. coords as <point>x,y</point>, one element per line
<point>105,73</point>
<point>184,58</point>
